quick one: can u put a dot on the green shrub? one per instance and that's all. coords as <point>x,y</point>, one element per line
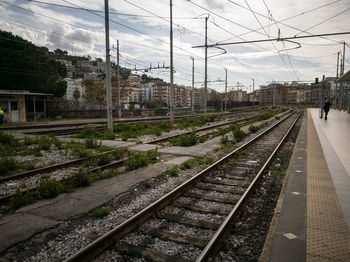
<point>152,155</point>
<point>254,129</point>
<point>173,171</point>
<point>83,178</point>
<point>99,213</point>
<point>88,132</point>
<point>8,165</point>
<point>22,199</point>
<point>224,139</point>
<point>43,143</point>
<point>186,140</point>
<point>91,143</point>
<point>78,150</point>
<point>238,134</point>
<point>136,160</point>
<point>119,153</point>
<point>186,165</point>
<point>56,141</point>
<point>202,139</point>
<point>29,141</point>
<point>37,152</point>
<point>108,135</point>
<point>7,139</point>
<point>49,187</point>
<point>164,125</point>
<point>125,136</point>
<point>157,131</point>
<point>104,159</point>
<point>208,160</point>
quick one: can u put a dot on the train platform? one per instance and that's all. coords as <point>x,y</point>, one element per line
<point>312,217</point>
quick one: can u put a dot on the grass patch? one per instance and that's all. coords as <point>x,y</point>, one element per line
<point>49,187</point>
<point>238,134</point>
<point>22,199</point>
<point>174,172</point>
<point>186,165</point>
<point>8,165</point>
<point>224,140</point>
<point>185,140</point>
<point>139,159</point>
<point>101,212</point>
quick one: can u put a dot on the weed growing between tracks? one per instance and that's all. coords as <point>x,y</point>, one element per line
<point>48,187</point>
<point>101,212</point>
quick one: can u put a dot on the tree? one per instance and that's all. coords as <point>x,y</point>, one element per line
<point>76,94</point>
<point>27,67</point>
<point>95,91</point>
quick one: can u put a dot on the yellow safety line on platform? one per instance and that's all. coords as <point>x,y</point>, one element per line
<point>328,238</point>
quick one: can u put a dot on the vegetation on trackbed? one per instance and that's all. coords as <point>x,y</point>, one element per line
<point>10,147</point>
<point>48,187</point>
<point>126,130</point>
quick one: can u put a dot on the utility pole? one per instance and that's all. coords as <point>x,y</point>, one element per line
<point>337,63</point>
<point>118,83</point>
<point>225,89</point>
<point>343,58</point>
<point>206,67</point>
<point>192,95</point>
<point>108,71</point>
<point>253,91</point>
<point>342,65</point>
<point>171,66</point>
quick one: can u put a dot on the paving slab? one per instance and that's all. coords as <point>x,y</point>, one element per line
<point>18,227</point>
<point>47,213</point>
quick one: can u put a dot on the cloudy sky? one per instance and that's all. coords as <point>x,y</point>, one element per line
<point>142,28</point>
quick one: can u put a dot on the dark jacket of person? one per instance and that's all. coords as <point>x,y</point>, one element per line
<point>326,106</point>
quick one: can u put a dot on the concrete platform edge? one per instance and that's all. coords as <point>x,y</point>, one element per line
<point>265,254</point>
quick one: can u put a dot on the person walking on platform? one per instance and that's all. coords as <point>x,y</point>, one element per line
<point>2,115</point>
<point>326,108</point>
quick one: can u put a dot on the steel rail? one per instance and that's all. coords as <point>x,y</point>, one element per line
<point>212,245</point>
<point>49,168</point>
<point>101,122</point>
<point>111,237</point>
<point>115,163</point>
<point>239,122</point>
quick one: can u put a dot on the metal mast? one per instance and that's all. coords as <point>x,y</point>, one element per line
<point>171,66</point>
<point>108,71</point>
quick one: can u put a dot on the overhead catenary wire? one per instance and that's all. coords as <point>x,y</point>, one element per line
<point>283,20</point>
<point>284,62</point>
<point>317,24</point>
<point>102,11</point>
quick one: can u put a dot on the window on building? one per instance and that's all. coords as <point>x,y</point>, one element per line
<point>14,105</point>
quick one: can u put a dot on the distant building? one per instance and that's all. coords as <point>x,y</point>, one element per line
<point>321,90</point>
<point>72,85</point>
<point>147,92</point>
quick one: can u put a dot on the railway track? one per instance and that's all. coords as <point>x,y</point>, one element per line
<point>100,127</point>
<point>188,223</point>
<point>80,160</point>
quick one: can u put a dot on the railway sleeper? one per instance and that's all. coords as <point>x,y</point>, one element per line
<point>147,253</point>
<point>242,178</point>
<point>201,209</point>
<point>215,187</point>
<point>190,221</point>
<point>227,183</point>
<point>226,200</point>
<point>177,238</point>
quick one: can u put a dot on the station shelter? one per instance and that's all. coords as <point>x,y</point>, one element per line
<point>344,92</point>
<point>22,105</point>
